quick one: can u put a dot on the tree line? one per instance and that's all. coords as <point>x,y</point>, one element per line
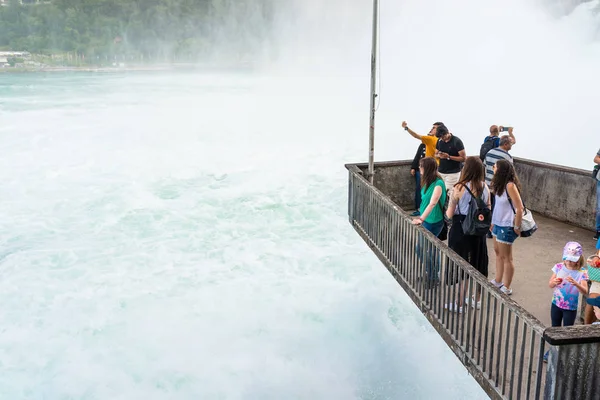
<point>149,30</point>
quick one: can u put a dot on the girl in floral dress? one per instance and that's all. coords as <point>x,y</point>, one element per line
<point>568,280</point>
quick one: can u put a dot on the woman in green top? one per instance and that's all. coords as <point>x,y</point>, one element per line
<point>433,196</point>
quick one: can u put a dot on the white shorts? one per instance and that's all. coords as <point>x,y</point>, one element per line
<point>595,288</point>
<point>450,180</point>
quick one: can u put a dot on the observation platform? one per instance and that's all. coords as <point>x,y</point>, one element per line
<point>502,343</point>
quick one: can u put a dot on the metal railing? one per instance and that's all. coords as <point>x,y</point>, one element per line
<point>499,342</point>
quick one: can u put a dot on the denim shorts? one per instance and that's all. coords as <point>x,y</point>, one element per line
<point>504,234</point>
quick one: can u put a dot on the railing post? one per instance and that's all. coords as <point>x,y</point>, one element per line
<point>350,196</point>
<point>573,366</point>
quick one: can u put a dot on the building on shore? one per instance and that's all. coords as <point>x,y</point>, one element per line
<point>25,2</point>
<point>15,54</point>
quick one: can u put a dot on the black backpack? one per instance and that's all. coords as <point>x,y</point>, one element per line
<point>478,220</point>
<point>488,144</point>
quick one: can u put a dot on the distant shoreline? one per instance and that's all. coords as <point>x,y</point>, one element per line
<point>133,68</point>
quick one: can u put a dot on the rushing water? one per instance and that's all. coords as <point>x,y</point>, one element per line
<point>185,236</point>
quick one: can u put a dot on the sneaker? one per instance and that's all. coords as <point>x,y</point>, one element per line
<point>453,307</point>
<point>415,214</point>
<point>506,290</point>
<point>473,303</point>
<point>497,284</point>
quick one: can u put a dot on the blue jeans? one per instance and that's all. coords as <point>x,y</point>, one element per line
<point>598,206</point>
<point>434,228</point>
<point>432,258</point>
<point>418,190</point>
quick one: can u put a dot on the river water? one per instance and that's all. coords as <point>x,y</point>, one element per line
<point>185,236</point>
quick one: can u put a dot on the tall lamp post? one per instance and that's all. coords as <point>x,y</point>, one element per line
<point>371,171</point>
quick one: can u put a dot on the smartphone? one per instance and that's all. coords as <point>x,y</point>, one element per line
<point>505,129</point>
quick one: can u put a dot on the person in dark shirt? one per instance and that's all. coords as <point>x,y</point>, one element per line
<point>493,140</point>
<point>451,153</point>
<point>414,171</point>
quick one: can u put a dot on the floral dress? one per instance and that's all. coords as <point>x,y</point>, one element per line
<point>566,295</point>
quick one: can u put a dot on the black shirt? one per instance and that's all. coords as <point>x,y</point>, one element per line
<point>452,147</point>
<point>420,154</point>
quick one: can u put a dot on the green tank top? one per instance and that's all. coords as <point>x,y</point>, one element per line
<point>436,214</point>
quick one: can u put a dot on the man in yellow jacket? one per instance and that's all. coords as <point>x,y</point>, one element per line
<point>430,140</point>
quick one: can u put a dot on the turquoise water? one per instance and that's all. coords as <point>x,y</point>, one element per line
<point>184,236</point>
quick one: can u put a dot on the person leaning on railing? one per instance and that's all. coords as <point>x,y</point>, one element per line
<point>432,190</point>
<point>432,215</point>
<point>506,222</point>
<point>472,248</point>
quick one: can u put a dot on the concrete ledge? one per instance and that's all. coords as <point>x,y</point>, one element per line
<point>394,180</point>
<point>558,192</point>
<point>577,334</point>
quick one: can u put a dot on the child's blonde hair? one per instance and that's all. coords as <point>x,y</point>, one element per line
<point>580,263</point>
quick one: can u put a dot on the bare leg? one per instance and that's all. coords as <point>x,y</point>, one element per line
<point>461,293</point>
<point>509,266</point>
<point>589,317</point>
<point>499,262</point>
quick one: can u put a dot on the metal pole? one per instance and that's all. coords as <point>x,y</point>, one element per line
<point>371,170</point>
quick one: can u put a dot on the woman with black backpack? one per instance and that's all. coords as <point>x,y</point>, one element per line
<point>469,209</point>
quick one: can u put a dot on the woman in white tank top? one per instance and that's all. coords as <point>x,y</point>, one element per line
<point>506,222</point>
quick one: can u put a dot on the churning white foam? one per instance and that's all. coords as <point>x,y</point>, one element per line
<point>185,236</point>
